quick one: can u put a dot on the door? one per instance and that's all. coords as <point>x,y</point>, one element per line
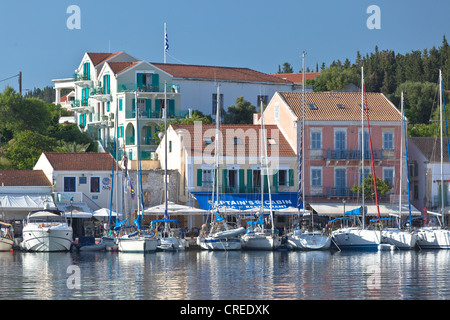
<point>340,182</point>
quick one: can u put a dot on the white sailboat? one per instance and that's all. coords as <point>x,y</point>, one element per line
<point>6,236</point>
<point>309,239</point>
<point>257,237</point>
<point>138,241</point>
<point>168,239</point>
<point>358,237</point>
<point>401,238</point>
<point>220,235</point>
<point>436,237</point>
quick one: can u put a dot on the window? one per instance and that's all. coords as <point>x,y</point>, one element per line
<point>341,106</point>
<point>214,103</point>
<point>233,179</point>
<point>256,178</point>
<point>283,178</point>
<point>312,106</point>
<point>69,184</point>
<point>388,140</point>
<point>316,177</point>
<point>316,140</point>
<point>95,184</point>
<point>388,175</point>
<point>207,177</point>
<point>339,140</point>
<point>237,141</point>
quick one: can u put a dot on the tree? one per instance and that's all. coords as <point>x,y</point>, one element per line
<point>382,187</point>
<point>335,78</point>
<point>27,147</point>
<point>241,113</point>
<point>287,68</point>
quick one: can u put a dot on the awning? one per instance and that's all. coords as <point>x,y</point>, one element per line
<point>386,209</point>
<point>28,202</point>
<point>173,208</point>
<point>76,209</point>
<point>247,201</point>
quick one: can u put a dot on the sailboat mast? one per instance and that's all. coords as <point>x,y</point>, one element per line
<point>362,148</point>
<point>407,167</point>
<point>303,138</point>
<point>217,146</point>
<point>442,143</point>
<point>401,163</point>
<point>266,165</point>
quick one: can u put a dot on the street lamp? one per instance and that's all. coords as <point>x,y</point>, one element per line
<point>343,201</point>
<point>71,209</point>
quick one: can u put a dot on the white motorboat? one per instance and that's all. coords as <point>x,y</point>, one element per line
<point>6,236</point>
<point>45,231</point>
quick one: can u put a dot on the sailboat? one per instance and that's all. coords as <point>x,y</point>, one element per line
<point>137,241</point>
<point>311,239</point>
<point>220,235</point>
<point>359,237</point>
<point>256,236</point>
<point>437,237</point>
<point>397,237</point>
<point>168,239</point>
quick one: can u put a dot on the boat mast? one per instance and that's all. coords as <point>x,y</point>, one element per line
<point>166,215</point>
<point>362,149</point>
<point>442,145</point>
<point>303,140</point>
<point>401,164</point>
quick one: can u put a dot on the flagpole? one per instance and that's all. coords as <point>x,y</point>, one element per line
<point>165,42</point>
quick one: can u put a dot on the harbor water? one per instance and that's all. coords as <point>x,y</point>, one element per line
<point>241,275</point>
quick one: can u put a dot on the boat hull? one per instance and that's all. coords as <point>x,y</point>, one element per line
<point>6,244</point>
<point>258,241</point>
<point>357,239</point>
<point>309,241</point>
<point>401,239</point>
<point>172,244</point>
<point>219,244</point>
<point>137,244</point>
<point>433,238</point>
<point>47,239</point>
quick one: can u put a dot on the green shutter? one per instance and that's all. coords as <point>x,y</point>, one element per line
<point>266,181</point>
<point>199,177</point>
<point>224,180</point>
<point>108,107</point>
<point>158,108</point>
<point>241,181</point>
<point>275,180</point>
<point>140,80</point>
<point>120,104</point>
<point>171,108</point>
<point>155,82</point>
<point>291,177</point>
<point>249,180</point>
<point>148,108</point>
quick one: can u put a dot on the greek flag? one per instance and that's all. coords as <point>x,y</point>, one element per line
<point>166,47</point>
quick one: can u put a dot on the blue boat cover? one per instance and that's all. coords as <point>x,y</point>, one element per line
<point>247,201</point>
<point>354,212</point>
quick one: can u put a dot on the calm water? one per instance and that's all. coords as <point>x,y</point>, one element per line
<point>203,275</point>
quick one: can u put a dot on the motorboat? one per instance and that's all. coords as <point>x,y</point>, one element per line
<point>6,236</point>
<point>46,231</point>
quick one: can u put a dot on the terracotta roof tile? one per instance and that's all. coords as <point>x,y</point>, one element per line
<point>80,161</point>
<point>296,77</point>
<point>118,67</point>
<point>327,103</point>
<point>217,73</point>
<point>99,57</point>
<point>23,178</point>
<point>249,140</point>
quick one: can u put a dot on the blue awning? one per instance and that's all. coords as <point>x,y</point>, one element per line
<point>247,201</point>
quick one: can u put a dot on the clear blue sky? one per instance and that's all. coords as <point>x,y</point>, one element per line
<point>258,34</point>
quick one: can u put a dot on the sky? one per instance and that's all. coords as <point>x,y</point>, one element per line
<point>36,38</point>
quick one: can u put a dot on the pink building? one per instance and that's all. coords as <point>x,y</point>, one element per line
<point>332,158</point>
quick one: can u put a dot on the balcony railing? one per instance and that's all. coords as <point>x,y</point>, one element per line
<point>339,192</point>
<point>80,103</point>
<point>352,154</point>
<point>132,87</point>
<point>131,114</point>
<point>129,140</point>
<point>81,77</point>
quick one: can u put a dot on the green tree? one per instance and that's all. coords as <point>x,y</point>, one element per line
<point>382,187</point>
<point>287,68</point>
<point>335,77</point>
<point>240,113</point>
<point>27,147</point>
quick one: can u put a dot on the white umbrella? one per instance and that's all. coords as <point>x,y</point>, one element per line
<point>103,213</point>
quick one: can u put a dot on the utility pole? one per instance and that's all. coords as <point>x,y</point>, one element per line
<point>20,82</point>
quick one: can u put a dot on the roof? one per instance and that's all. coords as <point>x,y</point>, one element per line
<point>431,148</point>
<point>249,139</point>
<point>296,77</point>
<point>80,161</point>
<point>119,67</point>
<point>341,106</point>
<point>24,178</point>
<point>99,57</point>
<point>217,73</point>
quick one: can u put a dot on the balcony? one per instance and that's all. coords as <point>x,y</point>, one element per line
<point>82,80</point>
<point>132,87</point>
<point>81,106</point>
<point>144,114</point>
<point>97,93</point>
<point>339,192</point>
<point>352,154</point>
